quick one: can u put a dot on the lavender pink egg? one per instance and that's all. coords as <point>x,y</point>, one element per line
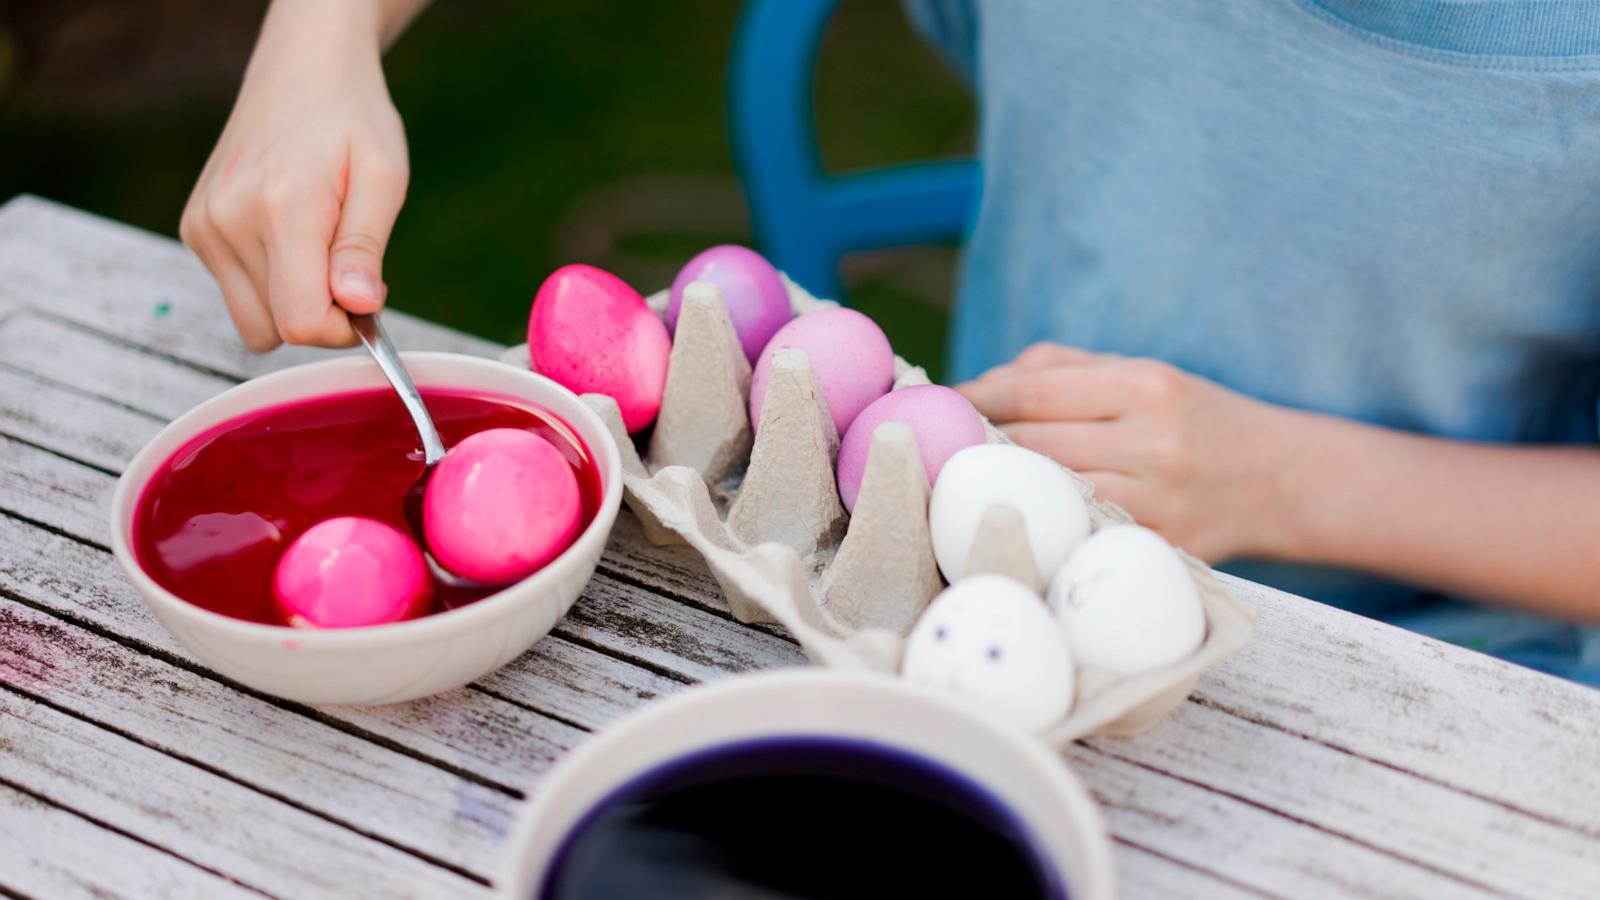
<point>849,354</point>
<point>500,505</point>
<point>348,572</point>
<point>942,421</point>
<point>593,334</point>
<point>757,303</point>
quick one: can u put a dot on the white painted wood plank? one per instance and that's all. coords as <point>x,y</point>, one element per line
<point>46,851</point>
<point>371,789</point>
<point>673,569</point>
<point>67,422</point>
<point>230,829</point>
<point>577,684</point>
<point>97,365</point>
<point>1415,819</point>
<point>1146,876</point>
<point>59,492</point>
<point>676,638</point>
<point>150,290</point>
<point>1255,847</point>
<point>1458,717</point>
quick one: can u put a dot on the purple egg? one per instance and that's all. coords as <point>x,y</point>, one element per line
<point>942,421</point>
<point>849,355</point>
<point>754,294</point>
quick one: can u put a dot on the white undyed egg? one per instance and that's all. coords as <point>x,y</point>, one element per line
<point>991,640</point>
<point>1053,512</point>
<point>1126,603</point>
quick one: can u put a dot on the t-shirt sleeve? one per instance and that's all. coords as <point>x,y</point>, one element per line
<point>951,26</point>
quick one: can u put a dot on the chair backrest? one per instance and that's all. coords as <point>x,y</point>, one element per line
<point>806,220</point>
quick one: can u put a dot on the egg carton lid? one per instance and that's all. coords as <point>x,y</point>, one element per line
<point>764,513</point>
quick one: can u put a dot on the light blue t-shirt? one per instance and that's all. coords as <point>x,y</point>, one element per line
<point>1388,210</point>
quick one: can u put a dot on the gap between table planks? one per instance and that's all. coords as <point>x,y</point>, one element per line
<point>87,380</point>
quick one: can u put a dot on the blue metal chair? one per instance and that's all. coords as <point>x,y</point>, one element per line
<point>806,220</point>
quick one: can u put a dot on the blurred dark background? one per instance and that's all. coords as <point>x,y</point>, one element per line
<point>542,132</point>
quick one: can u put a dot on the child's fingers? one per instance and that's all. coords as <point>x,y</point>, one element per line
<point>1080,446</point>
<point>1047,355</point>
<point>245,304</point>
<point>1124,490</point>
<point>248,309</point>
<point>297,280</point>
<point>377,188</point>
<point>1065,392</point>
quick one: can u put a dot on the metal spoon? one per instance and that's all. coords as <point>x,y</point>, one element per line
<point>376,340</point>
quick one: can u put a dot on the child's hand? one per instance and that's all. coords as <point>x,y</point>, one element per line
<point>295,206</point>
<point>1187,457</point>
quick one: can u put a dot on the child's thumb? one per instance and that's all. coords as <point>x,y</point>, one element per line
<point>355,259</point>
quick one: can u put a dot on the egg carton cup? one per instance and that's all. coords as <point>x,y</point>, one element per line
<point>764,512</point>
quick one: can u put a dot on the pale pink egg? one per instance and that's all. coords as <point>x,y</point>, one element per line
<point>942,421</point>
<point>593,334</point>
<point>500,505</point>
<point>348,572</point>
<point>849,354</point>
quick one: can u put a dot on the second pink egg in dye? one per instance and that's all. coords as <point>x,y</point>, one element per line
<point>348,572</point>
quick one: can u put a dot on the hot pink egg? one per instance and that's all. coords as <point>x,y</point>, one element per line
<point>593,334</point>
<point>757,303</point>
<point>499,505</point>
<point>941,420</point>
<point>350,571</point>
<point>848,352</point>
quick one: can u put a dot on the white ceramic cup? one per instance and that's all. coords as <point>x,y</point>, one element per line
<point>380,663</point>
<point>1013,766</point>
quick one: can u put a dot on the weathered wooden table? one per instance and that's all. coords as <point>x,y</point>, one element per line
<point>1335,756</point>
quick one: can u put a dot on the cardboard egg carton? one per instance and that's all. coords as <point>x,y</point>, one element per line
<point>764,512</point>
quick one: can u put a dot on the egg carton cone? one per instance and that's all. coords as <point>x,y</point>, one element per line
<point>761,506</point>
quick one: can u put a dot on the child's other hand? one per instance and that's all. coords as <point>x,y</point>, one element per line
<point>295,205</point>
<point>1185,456</point>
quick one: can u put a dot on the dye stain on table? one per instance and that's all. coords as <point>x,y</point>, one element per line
<point>799,818</point>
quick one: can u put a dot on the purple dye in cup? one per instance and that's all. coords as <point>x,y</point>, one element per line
<point>800,817</point>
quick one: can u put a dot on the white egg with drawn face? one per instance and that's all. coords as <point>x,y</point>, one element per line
<point>1126,602</point>
<point>991,640</point>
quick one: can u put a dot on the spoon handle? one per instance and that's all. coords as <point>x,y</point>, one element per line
<point>377,343</point>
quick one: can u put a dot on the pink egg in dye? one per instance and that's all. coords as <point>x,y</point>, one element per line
<point>851,357</point>
<point>942,421</point>
<point>351,571</point>
<point>593,334</point>
<point>757,302</point>
<point>500,505</point>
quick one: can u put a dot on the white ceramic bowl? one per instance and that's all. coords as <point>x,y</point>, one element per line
<point>1033,782</point>
<point>382,663</point>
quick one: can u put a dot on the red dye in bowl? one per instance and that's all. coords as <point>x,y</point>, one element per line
<point>216,516</point>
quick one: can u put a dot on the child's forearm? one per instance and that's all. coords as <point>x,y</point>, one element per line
<point>381,20</point>
<point>1515,525</point>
